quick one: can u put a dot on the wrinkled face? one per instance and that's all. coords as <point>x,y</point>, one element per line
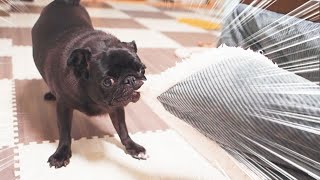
<point>115,77</point>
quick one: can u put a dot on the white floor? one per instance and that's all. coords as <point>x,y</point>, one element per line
<point>170,158</point>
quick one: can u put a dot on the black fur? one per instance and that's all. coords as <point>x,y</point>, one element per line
<point>49,96</point>
<point>69,2</point>
<point>85,69</point>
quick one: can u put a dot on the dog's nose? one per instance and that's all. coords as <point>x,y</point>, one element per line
<point>130,80</point>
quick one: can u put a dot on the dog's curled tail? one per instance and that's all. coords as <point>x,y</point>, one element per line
<point>71,2</point>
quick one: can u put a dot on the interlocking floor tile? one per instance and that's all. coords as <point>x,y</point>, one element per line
<point>191,39</point>
<point>98,4</point>
<point>28,8</point>
<point>40,3</point>
<point>17,36</point>
<point>144,38</point>
<point>6,46</point>
<point>106,13</point>
<point>145,14</point>
<point>6,114</point>
<point>190,15</point>
<point>167,25</point>
<point>23,64</point>
<point>3,14</point>
<point>170,158</point>
<point>7,163</point>
<point>5,68</point>
<point>116,23</point>
<point>133,7</point>
<point>37,118</point>
<point>20,20</point>
<point>158,60</point>
<point>172,8</point>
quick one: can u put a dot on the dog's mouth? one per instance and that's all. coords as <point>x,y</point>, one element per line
<point>126,94</point>
<point>126,98</point>
<point>135,96</point>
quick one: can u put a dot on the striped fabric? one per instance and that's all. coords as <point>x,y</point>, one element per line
<point>293,43</point>
<point>265,116</point>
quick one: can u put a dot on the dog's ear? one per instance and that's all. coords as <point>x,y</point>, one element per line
<point>132,45</point>
<point>78,60</point>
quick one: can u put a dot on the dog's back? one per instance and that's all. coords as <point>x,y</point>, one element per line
<point>63,27</point>
<point>59,23</point>
<point>55,19</point>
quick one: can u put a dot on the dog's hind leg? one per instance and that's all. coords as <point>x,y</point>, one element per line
<point>71,2</point>
<point>49,96</point>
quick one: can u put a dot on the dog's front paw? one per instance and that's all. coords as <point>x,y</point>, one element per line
<point>60,158</point>
<point>136,151</point>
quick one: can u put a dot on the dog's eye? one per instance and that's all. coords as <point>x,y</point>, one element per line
<point>142,71</point>
<point>107,82</point>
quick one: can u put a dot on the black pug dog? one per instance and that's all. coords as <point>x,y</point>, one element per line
<point>87,70</point>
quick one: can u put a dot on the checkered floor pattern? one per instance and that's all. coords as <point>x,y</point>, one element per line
<point>28,132</point>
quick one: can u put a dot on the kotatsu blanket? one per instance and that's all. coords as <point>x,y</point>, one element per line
<point>267,117</point>
<point>293,43</point>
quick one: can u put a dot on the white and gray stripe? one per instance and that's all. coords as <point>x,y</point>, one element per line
<point>253,107</point>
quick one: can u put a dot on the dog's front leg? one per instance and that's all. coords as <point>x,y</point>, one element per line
<point>132,148</point>
<point>63,153</point>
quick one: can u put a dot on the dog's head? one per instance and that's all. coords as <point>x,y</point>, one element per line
<point>111,77</point>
